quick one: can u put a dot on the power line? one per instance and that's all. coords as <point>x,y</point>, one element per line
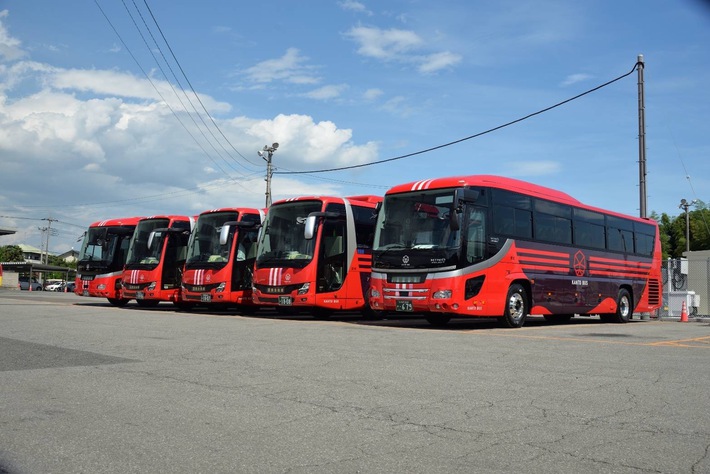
<point>546,109</point>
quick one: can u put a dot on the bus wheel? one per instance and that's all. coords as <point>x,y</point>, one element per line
<point>623,307</point>
<point>369,314</point>
<point>118,302</point>
<point>438,320</point>
<point>558,318</point>
<point>516,308</point>
<point>148,303</point>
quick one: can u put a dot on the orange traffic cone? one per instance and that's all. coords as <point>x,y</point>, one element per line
<point>684,313</point>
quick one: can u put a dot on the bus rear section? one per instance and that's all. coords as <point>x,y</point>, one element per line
<point>315,254</point>
<point>102,257</point>
<point>496,247</point>
<point>155,261</point>
<point>220,259</point>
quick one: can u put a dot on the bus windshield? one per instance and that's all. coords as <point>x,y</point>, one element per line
<point>204,245</point>
<point>138,251</point>
<point>282,242</point>
<point>416,221</point>
<point>99,245</point>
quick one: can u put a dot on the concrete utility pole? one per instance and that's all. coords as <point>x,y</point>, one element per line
<point>642,139</point>
<point>45,243</point>
<point>269,151</point>
<point>685,205</point>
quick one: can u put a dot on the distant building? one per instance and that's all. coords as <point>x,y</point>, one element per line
<point>69,256</point>
<point>31,254</point>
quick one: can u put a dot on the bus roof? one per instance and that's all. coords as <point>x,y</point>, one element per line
<point>241,210</point>
<point>121,221</point>
<point>501,182</point>
<point>370,199</point>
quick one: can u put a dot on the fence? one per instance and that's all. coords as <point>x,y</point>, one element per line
<point>686,280</point>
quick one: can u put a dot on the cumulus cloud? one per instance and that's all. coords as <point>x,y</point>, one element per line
<point>10,48</point>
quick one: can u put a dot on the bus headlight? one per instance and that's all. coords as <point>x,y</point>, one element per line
<point>442,295</point>
<point>304,289</point>
<point>374,293</point>
<point>220,287</point>
<point>101,287</point>
<point>151,287</point>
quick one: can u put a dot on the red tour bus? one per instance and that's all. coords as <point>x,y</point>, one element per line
<point>493,246</point>
<point>156,257</point>
<point>315,253</point>
<point>220,259</point>
<point>102,257</point>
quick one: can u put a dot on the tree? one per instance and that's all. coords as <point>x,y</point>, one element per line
<point>11,253</point>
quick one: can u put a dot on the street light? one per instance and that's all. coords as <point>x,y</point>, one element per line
<point>685,205</point>
<point>269,151</point>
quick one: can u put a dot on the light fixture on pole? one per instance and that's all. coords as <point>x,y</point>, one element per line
<point>685,205</point>
<point>266,153</point>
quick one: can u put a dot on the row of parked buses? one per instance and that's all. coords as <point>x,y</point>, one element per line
<point>481,246</point>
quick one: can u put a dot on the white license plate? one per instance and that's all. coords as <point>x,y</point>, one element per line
<point>206,298</point>
<point>140,295</point>
<point>85,293</point>
<point>285,300</point>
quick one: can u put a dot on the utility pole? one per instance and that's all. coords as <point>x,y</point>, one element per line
<point>269,151</point>
<point>642,138</point>
<point>685,205</point>
<point>45,242</point>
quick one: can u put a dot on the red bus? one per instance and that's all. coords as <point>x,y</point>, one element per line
<point>315,253</point>
<point>156,257</point>
<point>102,257</point>
<point>499,247</point>
<point>220,259</point>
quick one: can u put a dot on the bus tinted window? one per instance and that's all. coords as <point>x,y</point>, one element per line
<point>553,229</point>
<point>589,235</point>
<point>619,240</point>
<point>509,199</point>
<point>365,219</point>
<point>644,244</point>
<point>552,208</point>
<point>512,222</point>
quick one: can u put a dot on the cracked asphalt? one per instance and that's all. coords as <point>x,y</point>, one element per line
<point>85,387</point>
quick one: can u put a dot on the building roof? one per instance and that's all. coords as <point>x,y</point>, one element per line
<point>7,231</point>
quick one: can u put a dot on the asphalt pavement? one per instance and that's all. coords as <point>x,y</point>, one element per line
<point>86,387</point>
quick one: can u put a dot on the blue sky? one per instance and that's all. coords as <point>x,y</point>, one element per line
<point>97,122</point>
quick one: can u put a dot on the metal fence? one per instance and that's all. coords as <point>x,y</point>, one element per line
<point>686,280</point>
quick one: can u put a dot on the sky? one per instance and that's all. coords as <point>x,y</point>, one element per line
<point>125,108</point>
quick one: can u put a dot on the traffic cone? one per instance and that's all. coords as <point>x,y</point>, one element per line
<point>684,313</point>
<point>29,288</point>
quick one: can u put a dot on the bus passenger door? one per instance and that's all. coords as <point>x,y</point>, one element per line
<point>332,258</point>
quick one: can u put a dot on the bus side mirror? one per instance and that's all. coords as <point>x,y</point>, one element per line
<point>224,232</point>
<point>310,230</point>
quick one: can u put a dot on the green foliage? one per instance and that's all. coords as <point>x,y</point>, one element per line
<point>11,253</point>
<point>673,231</point>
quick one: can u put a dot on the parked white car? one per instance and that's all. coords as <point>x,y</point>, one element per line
<point>59,286</point>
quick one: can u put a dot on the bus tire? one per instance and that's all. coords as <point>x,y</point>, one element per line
<point>516,307</point>
<point>623,307</point>
<point>437,319</point>
<point>118,302</point>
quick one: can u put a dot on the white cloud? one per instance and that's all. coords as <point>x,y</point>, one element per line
<point>10,48</point>
<point>384,44</point>
<point>575,78</point>
<point>354,6</point>
<point>290,68</point>
<point>326,92</point>
<point>438,61</point>
<point>372,94</point>
<point>401,46</point>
